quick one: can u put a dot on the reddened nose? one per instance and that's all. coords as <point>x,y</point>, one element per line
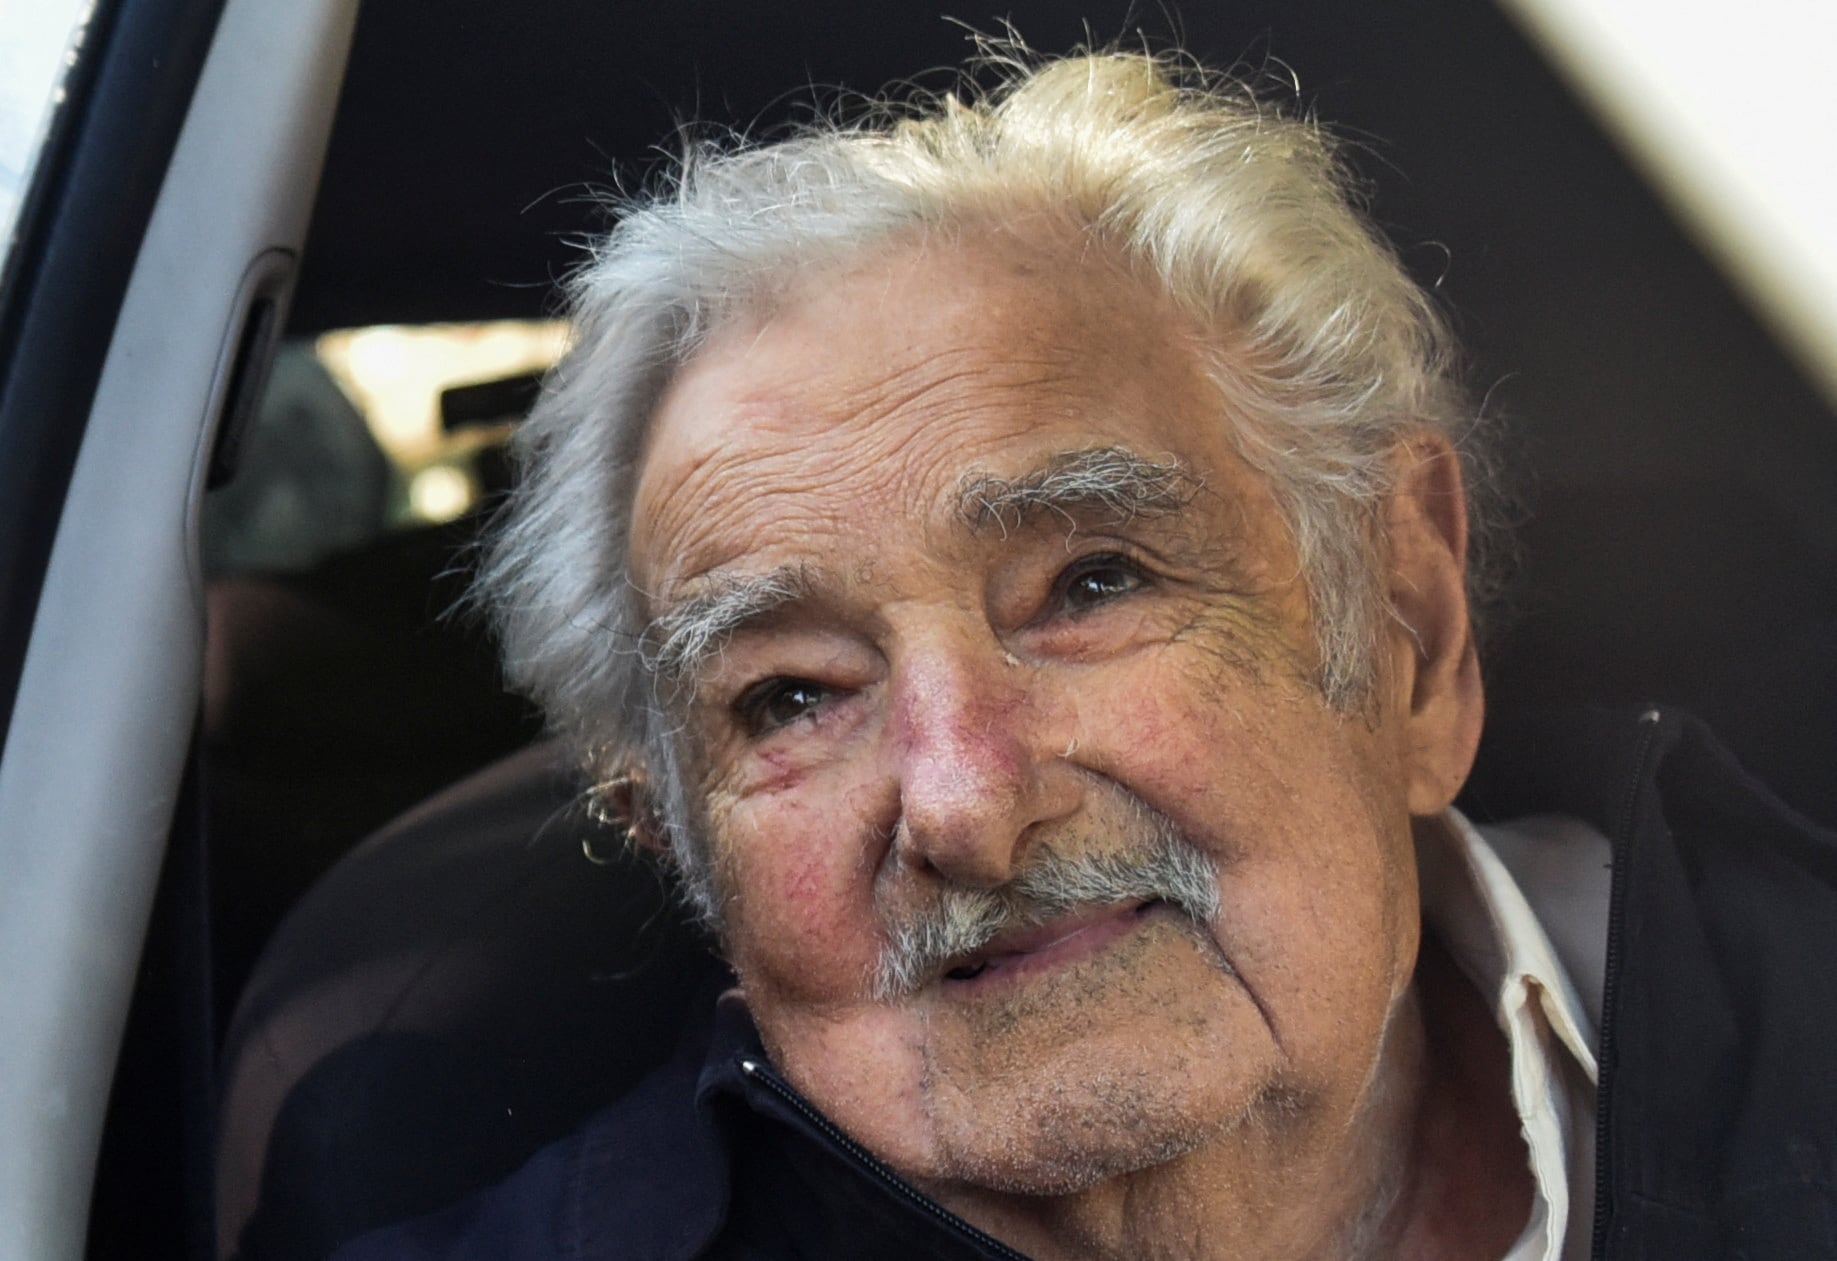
<point>969,744</point>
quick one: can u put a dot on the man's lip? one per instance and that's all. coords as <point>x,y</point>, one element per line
<point>1053,944</point>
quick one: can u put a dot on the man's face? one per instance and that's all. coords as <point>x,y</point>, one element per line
<point>998,591</point>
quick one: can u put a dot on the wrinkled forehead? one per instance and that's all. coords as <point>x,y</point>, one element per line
<point>883,387</point>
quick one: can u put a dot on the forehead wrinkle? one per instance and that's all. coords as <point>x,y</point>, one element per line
<point>1113,482</point>
<point>919,388</point>
<point>885,427</point>
<point>718,512</point>
<point>694,628</point>
<point>914,383</point>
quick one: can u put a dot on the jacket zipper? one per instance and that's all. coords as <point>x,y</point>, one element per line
<point>872,1167</point>
<point>1610,975</point>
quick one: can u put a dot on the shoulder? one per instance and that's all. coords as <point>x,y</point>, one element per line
<point>1712,874</point>
<point>1717,1102</point>
<point>644,1179</point>
<point>520,1217</point>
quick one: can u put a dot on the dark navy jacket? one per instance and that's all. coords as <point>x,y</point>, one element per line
<point>1718,1091</point>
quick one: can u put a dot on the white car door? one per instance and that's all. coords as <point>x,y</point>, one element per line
<point>152,264</point>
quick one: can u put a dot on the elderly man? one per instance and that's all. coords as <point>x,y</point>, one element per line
<point>1014,561</point>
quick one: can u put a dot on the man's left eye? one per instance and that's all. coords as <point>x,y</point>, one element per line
<point>1095,581</point>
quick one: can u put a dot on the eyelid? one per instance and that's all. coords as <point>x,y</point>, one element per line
<point>826,653</point>
<point>1111,557</point>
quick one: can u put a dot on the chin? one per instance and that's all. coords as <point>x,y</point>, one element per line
<point>1087,1123</point>
<point>1057,1167</point>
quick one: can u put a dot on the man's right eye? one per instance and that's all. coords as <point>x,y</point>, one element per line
<point>775,703</point>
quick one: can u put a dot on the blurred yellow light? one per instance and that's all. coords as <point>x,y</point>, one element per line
<point>395,373</point>
<point>440,492</point>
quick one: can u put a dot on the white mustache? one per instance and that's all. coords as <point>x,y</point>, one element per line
<point>959,922</point>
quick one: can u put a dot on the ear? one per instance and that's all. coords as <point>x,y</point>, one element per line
<point>1434,677</point>
<point>625,801</point>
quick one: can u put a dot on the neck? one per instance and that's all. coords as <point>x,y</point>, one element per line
<point>1431,1164</point>
<point>1471,1189</point>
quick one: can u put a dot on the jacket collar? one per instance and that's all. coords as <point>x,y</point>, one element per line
<point>652,1176</point>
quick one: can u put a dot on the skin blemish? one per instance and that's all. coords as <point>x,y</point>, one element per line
<point>947,719</point>
<point>805,888</point>
<point>780,772</point>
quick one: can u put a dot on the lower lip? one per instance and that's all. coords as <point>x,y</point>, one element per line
<point>1068,950</point>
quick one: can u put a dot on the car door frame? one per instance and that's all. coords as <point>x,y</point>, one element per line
<point>181,185</point>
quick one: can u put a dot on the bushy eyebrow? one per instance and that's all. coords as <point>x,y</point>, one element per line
<point>681,640</point>
<point>1113,484</point>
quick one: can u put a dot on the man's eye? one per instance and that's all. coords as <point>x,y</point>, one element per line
<point>1097,580</point>
<point>778,703</point>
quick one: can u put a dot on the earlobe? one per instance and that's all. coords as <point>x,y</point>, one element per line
<point>1436,675</point>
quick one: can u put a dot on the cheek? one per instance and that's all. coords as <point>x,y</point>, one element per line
<point>1175,733</point>
<point>796,870</point>
<point>1317,876</point>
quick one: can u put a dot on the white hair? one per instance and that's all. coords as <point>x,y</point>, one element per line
<point>1327,353</point>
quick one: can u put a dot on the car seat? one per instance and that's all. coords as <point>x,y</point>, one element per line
<point>463,988</point>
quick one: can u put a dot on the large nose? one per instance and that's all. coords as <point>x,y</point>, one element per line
<point>972,734</point>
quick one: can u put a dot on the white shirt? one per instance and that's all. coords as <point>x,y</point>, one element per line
<point>1540,972</point>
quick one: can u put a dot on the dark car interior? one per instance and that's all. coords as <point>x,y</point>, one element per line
<point>392,956</point>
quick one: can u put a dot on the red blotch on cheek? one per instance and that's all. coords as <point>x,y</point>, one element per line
<point>799,861</point>
<point>806,886</point>
<point>810,926</point>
